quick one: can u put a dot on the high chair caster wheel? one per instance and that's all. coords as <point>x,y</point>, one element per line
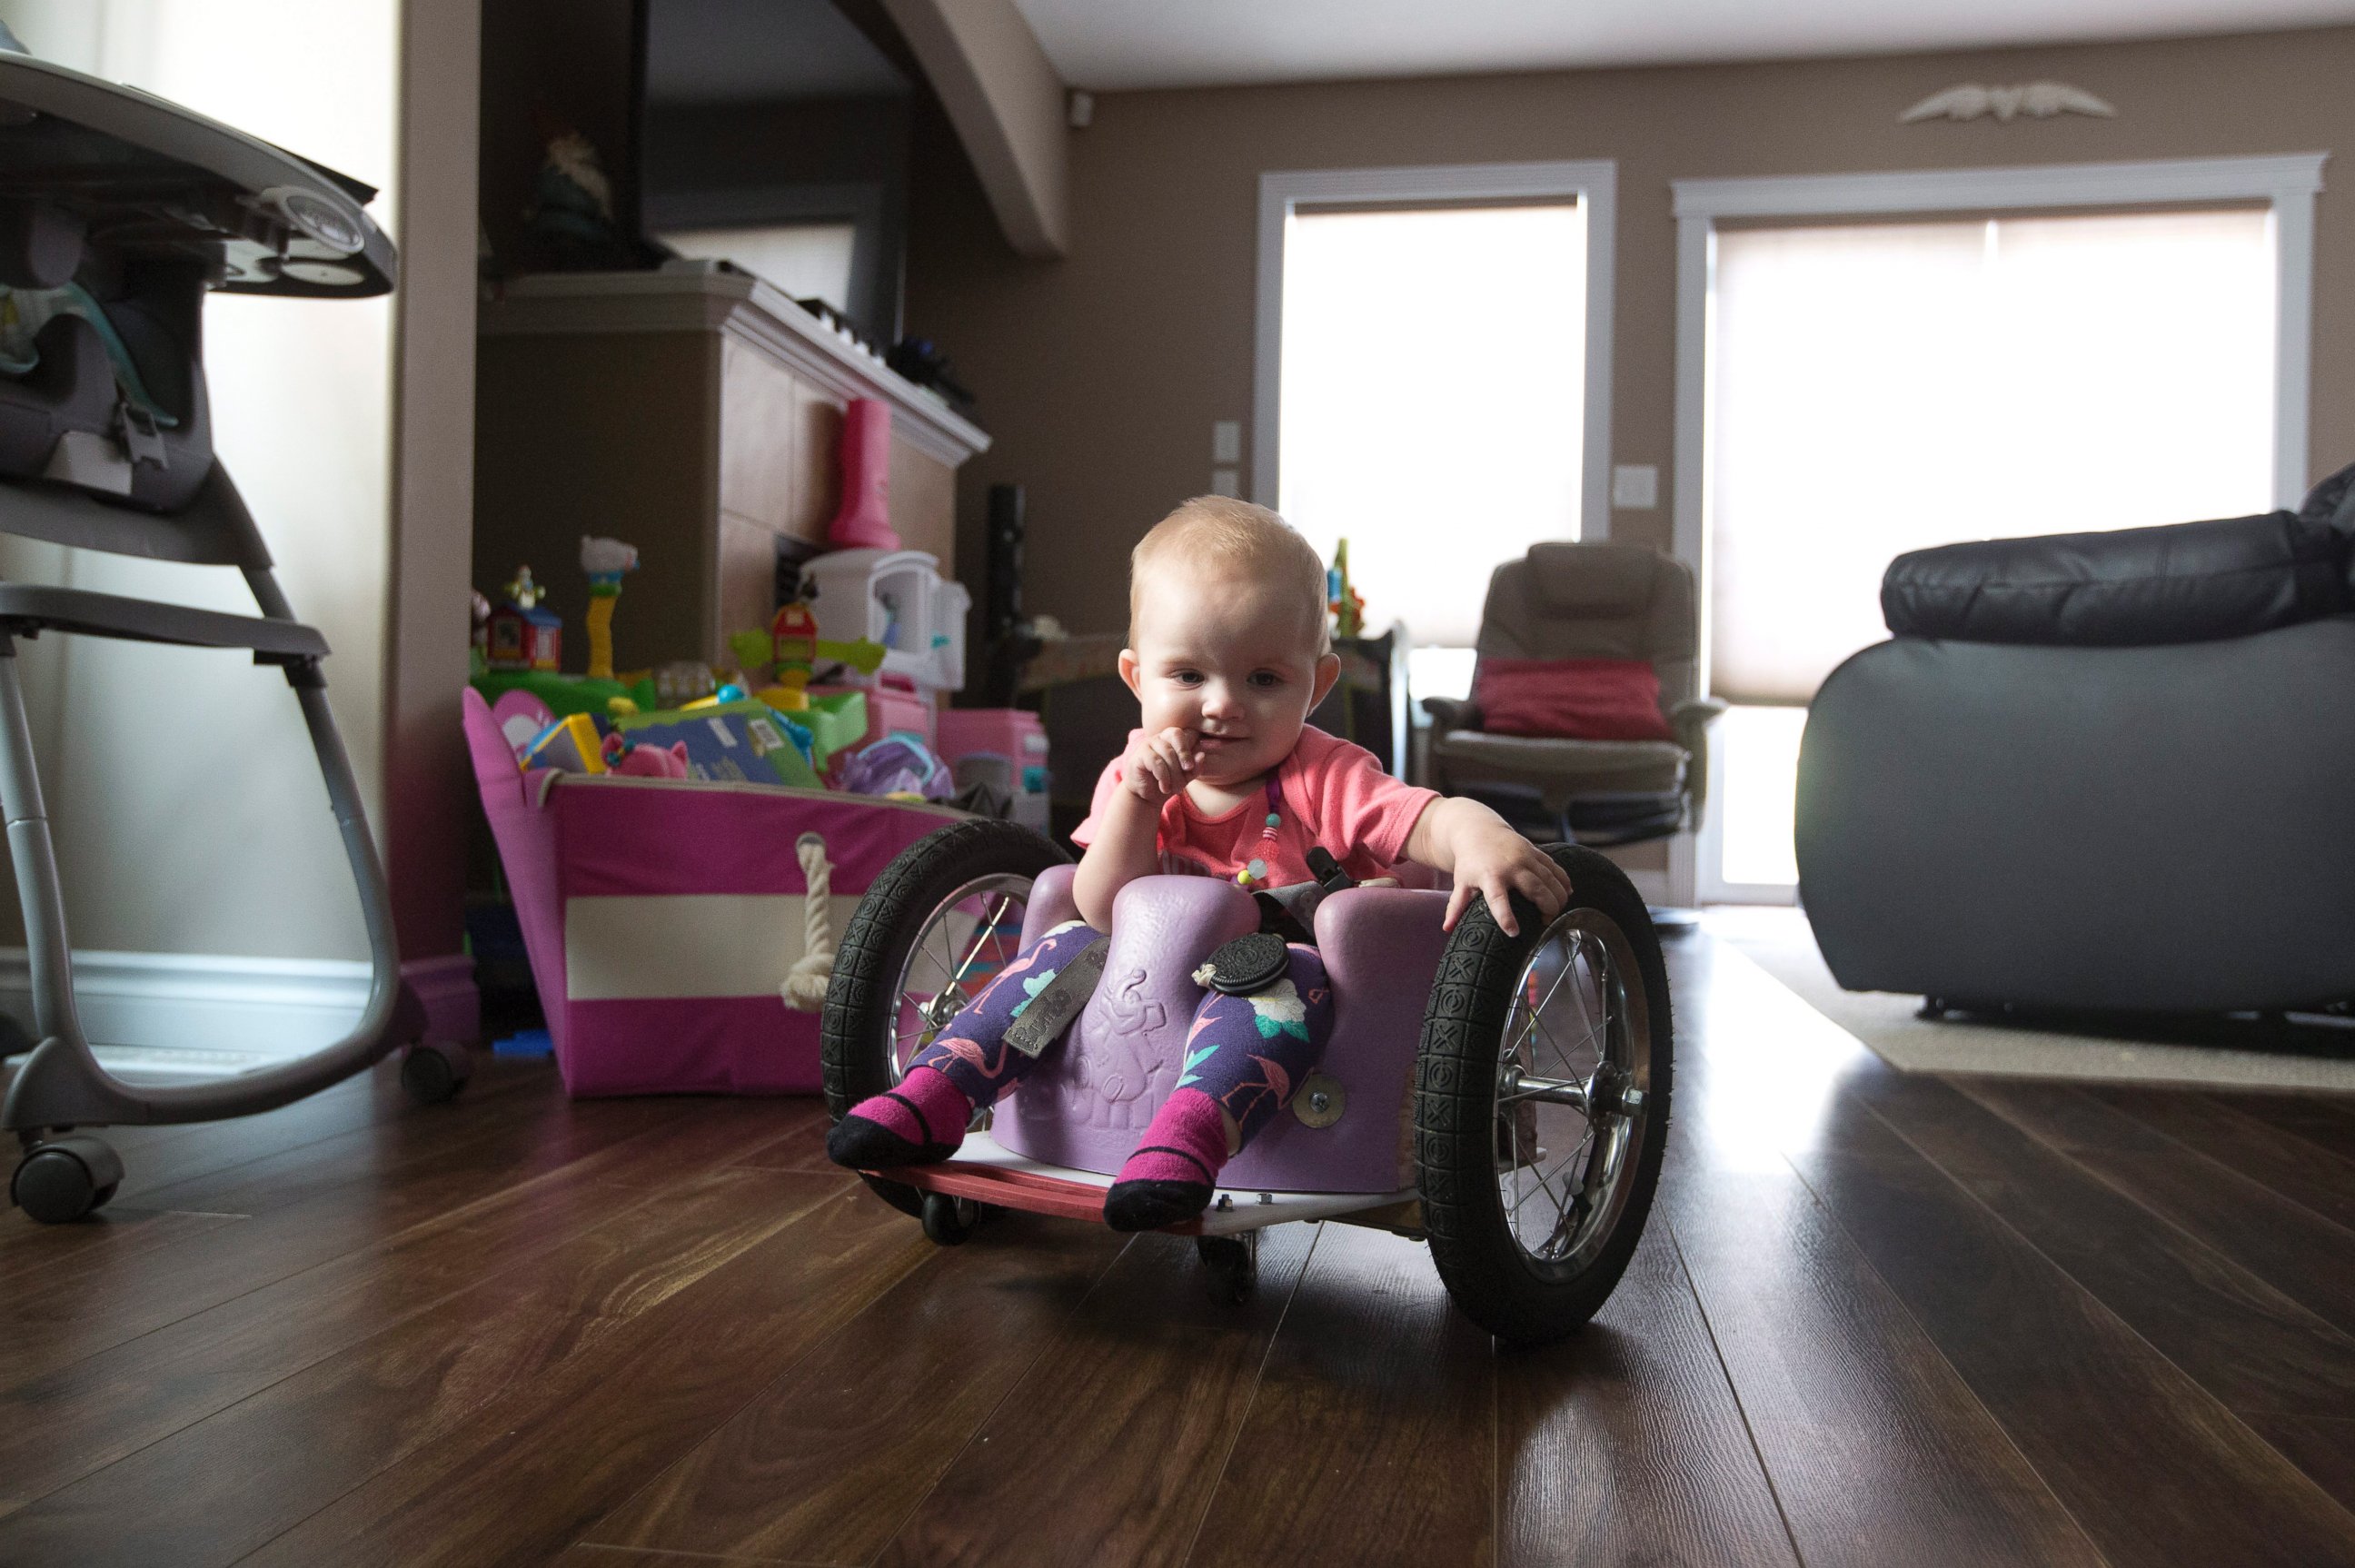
<point>59,1182</point>
<point>948,1222</point>
<point>434,1071</point>
<point>1229,1266</point>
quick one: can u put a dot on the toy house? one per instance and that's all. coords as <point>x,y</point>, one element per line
<point>524,636</point>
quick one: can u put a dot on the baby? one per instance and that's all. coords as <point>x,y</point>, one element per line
<point>1228,652</point>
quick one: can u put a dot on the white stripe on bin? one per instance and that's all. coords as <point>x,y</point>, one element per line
<point>694,945</point>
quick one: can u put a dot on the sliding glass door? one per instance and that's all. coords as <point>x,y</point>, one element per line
<point>1878,386</point>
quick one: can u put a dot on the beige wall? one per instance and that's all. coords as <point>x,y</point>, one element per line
<point>1100,375</point>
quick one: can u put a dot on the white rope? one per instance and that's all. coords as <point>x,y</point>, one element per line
<point>805,982</point>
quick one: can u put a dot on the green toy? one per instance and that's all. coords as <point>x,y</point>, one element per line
<point>767,650</point>
<point>564,694</point>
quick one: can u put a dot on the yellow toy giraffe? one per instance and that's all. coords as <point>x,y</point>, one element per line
<point>604,560</point>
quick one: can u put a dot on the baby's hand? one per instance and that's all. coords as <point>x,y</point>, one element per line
<point>1158,766</point>
<point>1497,862</point>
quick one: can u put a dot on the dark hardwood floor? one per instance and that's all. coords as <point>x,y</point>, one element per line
<point>1877,1320</point>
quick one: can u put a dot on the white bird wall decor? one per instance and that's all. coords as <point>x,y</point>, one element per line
<point>2037,100</point>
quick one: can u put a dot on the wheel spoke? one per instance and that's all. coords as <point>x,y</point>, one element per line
<point>1571,1158</point>
<point>1565,1230</point>
<point>1538,1011</point>
<point>940,953</point>
<point>1592,1060</point>
<point>983,934</point>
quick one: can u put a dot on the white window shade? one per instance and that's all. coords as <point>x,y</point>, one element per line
<point>1880,387</point>
<point>1432,397</point>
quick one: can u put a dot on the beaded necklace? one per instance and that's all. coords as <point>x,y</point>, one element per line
<point>1256,873</point>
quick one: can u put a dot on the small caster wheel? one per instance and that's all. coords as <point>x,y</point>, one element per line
<point>948,1222</point>
<point>1229,1264</point>
<point>434,1071</point>
<point>61,1180</point>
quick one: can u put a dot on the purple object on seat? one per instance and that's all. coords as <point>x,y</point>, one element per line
<point>1089,1102</point>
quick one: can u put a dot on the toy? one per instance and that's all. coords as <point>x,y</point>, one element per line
<point>864,520</point>
<point>523,636</point>
<point>681,681</point>
<point>645,760</point>
<point>1514,1113</point>
<point>1347,604</point>
<point>605,561</point>
<point>792,648</point>
<point>478,639</point>
<point>888,705</point>
<point>898,764</point>
<point>793,642</point>
<point>837,722</point>
<point>743,742</point>
<point>565,693</point>
<point>570,216</point>
<point>571,744</point>
<point>896,599</point>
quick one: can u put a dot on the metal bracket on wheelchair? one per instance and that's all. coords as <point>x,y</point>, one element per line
<point>1050,1012</point>
<point>1290,912</point>
<point>1247,965</point>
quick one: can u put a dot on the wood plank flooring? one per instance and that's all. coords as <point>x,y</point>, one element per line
<point>1876,1320</point>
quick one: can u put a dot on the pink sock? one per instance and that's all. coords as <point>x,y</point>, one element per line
<point>925,1111</point>
<point>1186,1142</point>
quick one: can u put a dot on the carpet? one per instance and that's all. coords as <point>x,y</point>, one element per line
<point>2307,1054</point>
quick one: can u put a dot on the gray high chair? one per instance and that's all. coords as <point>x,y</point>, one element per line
<point>117,212</point>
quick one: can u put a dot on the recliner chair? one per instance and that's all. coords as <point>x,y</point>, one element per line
<point>1586,601</point>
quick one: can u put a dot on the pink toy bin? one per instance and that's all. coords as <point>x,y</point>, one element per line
<point>661,916</point>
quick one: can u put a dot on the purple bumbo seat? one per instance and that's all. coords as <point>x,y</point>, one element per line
<point>1092,1098</point>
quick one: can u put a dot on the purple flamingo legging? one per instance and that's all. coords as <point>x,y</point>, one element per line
<point>1247,1053</point>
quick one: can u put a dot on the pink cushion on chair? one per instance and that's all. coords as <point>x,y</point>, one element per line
<point>1576,700</point>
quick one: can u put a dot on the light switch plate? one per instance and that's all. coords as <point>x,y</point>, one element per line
<point>1226,482</point>
<point>1636,487</point>
<point>1226,441</point>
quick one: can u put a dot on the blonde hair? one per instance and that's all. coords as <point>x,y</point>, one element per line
<point>1221,531</point>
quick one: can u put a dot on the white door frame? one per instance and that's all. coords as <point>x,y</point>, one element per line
<point>2287,183</point>
<point>1283,191</point>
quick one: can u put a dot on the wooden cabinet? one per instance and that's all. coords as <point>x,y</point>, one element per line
<point>695,415</point>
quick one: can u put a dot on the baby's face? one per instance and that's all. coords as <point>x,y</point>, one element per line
<point>1233,660</point>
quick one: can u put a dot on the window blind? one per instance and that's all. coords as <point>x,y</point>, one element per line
<point>1883,387</point>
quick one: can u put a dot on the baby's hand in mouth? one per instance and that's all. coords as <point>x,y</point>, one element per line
<point>1158,766</point>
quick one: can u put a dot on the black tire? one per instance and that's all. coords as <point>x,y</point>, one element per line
<point>1493,1277</point>
<point>430,1075</point>
<point>949,1221</point>
<point>1229,1266</point>
<point>862,1000</point>
<point>55,1184</point>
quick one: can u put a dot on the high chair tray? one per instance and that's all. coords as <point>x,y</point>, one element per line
<point>987,1172</point>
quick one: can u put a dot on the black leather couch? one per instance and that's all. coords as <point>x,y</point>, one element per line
<point>2097,770</point>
